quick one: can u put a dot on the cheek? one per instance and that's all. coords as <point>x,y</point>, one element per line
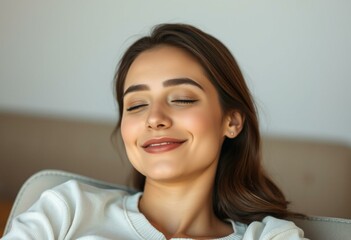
<point>201,122</point>
<point>128,131</point>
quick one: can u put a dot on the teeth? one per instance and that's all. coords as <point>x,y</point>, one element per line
<point>159,144</point>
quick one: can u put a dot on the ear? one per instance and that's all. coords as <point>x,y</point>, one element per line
<point>234,123</point>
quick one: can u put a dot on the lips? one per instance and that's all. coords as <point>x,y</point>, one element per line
<point>161,145</point>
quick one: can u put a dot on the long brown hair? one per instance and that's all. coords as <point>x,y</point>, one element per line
<point>242,190</point>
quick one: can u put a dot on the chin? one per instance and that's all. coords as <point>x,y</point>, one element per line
<point>162,174</point>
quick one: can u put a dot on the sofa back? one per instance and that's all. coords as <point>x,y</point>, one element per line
<point>314,175</point>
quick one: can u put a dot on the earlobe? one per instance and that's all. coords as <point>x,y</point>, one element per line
<point>235,123</point>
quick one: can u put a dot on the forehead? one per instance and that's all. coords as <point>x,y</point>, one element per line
<point>161,63</point>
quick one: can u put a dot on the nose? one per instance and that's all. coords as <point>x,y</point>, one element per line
<point>158,118</point>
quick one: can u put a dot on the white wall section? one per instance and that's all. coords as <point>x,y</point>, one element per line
<point>58,57</point>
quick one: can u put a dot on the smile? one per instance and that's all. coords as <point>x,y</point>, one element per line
<point>161,145</point>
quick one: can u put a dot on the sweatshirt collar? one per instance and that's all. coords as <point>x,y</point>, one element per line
<point>144,229</point>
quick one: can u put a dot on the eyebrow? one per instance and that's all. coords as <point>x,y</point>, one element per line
<point>180,81</point>
<point>168,83</point>
<point>135,88</point>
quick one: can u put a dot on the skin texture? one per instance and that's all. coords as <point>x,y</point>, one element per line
<point>173,128</point>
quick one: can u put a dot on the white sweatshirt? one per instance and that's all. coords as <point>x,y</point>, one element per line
<point>77,211</point>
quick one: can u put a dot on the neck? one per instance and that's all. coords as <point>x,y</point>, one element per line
<point>182,209</point>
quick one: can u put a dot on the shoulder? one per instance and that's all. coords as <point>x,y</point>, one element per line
<point>67,210</point>
<point>73,195</point>
<point>271,228</point>
<point>76,190</point>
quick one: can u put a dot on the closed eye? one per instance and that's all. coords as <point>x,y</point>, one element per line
<point>135,107</point>
<point>184,101</point>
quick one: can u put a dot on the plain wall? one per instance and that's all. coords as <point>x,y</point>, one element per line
<point>58,57</point>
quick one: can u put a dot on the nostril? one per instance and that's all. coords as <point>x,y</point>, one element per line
<point>158,121</point>
<point>157,125</point>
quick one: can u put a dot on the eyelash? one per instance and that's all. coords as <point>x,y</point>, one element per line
<point>179,101</point>
<point>185,101</point>
<point>132,108</point>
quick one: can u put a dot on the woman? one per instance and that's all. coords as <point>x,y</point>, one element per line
<point>190,130</point>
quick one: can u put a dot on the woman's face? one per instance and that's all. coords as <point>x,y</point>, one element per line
<point>172,123</point>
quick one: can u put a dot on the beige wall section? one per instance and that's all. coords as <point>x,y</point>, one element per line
<point>29,144</point>
<point>315,176</point>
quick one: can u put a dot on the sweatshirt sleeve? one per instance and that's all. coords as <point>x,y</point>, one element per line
<point>48,219</point>
<point>274,229</point>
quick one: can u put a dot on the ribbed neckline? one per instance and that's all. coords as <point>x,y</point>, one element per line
<point>144,229</point>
